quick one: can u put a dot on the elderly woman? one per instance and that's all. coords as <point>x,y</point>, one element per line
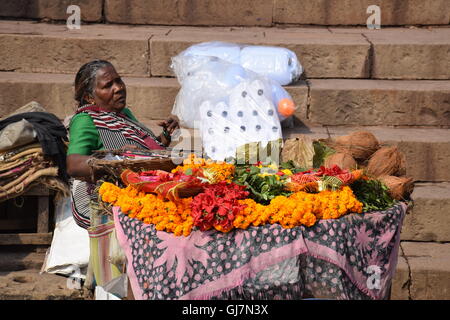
<point>102,121</point>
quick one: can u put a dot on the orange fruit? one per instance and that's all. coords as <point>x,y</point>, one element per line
<point>286,107</point>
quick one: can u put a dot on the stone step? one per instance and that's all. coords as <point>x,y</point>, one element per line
<point>233,13</point>
<point>329,53</point>
<point>427,149</point>
<point>429,219</point>
<point>31,285</point>
<point>427,154</point>
<point>333,102</point>
<point>423,272</point>
<point>17,260</point>
<point>392,12</point>
<point>143,51</point>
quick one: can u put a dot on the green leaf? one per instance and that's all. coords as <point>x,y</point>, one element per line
<point>321,151</point>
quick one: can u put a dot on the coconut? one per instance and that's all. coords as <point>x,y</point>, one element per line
<point>399,187</point>
<point>360,144</point>
<point>401,171</point>
<point>342,160</point>
<point>387,161</point>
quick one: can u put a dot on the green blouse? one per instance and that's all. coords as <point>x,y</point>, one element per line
<point>83,135</point>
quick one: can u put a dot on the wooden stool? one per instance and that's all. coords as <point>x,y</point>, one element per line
<point>43,235</point>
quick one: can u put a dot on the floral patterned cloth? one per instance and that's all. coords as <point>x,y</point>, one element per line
<point>353,257</point>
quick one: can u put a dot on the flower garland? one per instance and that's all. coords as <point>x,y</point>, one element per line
<point>300,208</point>
<point>165,215</point>
<point>222,207</point>
<point>217,171</point>
<point>217,206</point>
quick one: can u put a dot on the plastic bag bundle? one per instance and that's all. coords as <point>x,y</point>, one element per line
<point>276,63</point>
<point>230,104</point>
<point>248,116</point>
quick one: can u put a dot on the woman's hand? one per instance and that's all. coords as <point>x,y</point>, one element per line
<point>129,147</point>
<point>169,126</point>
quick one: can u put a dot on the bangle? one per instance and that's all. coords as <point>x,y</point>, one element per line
<point>166,134</point>
<point>89,161</point>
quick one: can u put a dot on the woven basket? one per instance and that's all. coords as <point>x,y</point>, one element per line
<point>113,168</point>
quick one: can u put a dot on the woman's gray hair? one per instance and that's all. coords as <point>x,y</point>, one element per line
<point>85,79</point>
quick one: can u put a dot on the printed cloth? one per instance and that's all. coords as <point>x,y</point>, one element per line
<point>353,257</point>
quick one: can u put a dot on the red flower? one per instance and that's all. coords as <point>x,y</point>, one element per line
<point>217,205</point>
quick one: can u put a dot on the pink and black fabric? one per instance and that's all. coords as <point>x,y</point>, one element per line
<point>353,257</point>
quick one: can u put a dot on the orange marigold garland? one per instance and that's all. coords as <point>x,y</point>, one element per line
<point>224,205</point>
<point>220,171</point>
<point>300,208</point>
<point>151,209</point>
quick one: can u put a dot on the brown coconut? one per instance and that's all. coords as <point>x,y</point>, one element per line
<point>399,187</point>
<point>387,161</point>
<point>360,144</point>
<point>342,160</point>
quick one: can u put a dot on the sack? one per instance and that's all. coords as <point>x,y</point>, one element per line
<point>69,251</point>
<point>16,135</point>
<point>276,63</point>
<point>116,289</point>
<point>231,106</point>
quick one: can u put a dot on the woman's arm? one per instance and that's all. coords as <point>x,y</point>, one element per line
<point>78,167</point>
<point>83,140</point>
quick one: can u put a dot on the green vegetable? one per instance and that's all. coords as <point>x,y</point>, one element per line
<point>321,151</point>
<point>263,188</point>
<point>291,166</point>
<point>373,194</point>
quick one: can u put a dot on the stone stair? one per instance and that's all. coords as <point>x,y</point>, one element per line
<point>394,82</point>
<point>20,278</point>
<point>236,13</point>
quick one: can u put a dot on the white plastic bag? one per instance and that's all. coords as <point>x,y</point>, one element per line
<point>230,104</point>
<point>209,78</point>
<point>248,116</point>
<point>69,251</point>
<point>276,63</point>
<point>116,289</point>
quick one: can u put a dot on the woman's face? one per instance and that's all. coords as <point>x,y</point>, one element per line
<point>110,92</point>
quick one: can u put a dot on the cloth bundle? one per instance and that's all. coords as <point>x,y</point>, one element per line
<point>36,155</point>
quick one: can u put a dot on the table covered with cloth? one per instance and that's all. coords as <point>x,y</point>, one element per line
<point>353,257</point>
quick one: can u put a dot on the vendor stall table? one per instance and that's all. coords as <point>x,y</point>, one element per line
<point>353,257</point>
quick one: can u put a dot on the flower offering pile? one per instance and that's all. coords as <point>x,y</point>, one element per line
<point>202,194</point>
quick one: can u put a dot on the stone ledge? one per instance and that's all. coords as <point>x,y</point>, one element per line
<point>379,102</point>
<point>427,149</point>
<point>190,12</point>
<point>429,219</point>
<point>393,12</point>
<point>430,270</point>
<point>350,53</point>
<point>90,10</point>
